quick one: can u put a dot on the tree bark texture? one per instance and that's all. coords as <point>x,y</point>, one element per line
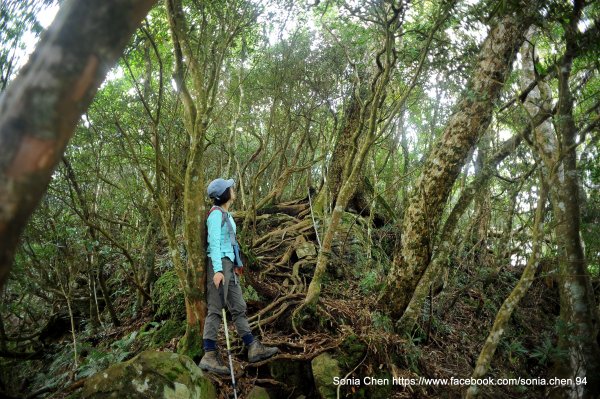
<point>361,144</point>
<point>199,99</point>
<point>555,145</point>
<point>192,275</point>
<point>41,107</point>
<point>470,120</point>
<point>445,247</point>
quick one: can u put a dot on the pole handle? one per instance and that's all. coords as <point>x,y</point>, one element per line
<point>222,294</point>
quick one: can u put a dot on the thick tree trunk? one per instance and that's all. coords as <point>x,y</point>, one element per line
<point>41,107</point>
<point>192,275</point>
<point>204,68</point>
<point>343,150</point>
<point>361,143</point>
<point>445,247</point>
<point>556,147</point>
<point>443,165</point>
<point>194,231</point>
<point>577,300</point>
<point>343,147</point>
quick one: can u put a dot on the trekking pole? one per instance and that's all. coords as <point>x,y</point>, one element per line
<point>222,295</point>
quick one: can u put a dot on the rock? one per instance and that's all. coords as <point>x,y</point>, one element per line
<point>324,368</point>
<point>151,374</point>
<point>258,393</point>
<point>306,249</point>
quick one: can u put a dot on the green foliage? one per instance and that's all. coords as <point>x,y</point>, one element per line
<point>96,361</point>
<point>515,350</point>
<point>411,352</point>
<point>350,352</point>
<point>547,352</point>
<point>119,351</point>
<point>170,329</point>
<point>168,296</point>
<point>369,283</point>
<point>249,293</point>
<point>277,83</point>
<point>60,368</point>
<point>18,19</point>
<point>381,322</point>
<point>440,326</point>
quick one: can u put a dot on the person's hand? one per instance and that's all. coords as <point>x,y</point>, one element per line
<point>218,277</point>
<point>239,270</point>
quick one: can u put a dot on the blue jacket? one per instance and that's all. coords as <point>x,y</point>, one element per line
<point>219,242</point>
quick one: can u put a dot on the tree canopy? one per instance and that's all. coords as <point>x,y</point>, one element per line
<point>417,187</point>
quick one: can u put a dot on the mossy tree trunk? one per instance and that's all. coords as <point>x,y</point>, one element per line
<point>445,247</point>
<point>369,111</point>
<point>471,119</point>
<point>219,29</point>
<point>555,144</point>
<point>342,150</point>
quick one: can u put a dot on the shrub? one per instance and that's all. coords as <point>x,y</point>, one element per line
<point>167,295</point>
<point>169,330</point>
<point>369,282</point>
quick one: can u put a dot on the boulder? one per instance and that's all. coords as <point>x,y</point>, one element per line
<point>151,374</point>
<point>324,368</point>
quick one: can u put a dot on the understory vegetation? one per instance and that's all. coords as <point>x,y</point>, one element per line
<point>417,196</point>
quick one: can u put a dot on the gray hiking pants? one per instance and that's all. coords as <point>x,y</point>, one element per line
<point>233,297</point>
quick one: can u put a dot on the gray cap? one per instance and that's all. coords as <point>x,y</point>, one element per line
<point>218,187</point>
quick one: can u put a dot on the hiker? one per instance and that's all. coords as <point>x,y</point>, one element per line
<point>224,267</point>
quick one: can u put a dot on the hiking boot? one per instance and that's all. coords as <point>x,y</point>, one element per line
<point>213,362</point>
<point>257,351</point>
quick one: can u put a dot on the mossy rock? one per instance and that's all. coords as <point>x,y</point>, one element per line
<point>324,369</point>
<point>167,295</point>
<point>258,393</point>
<point>306,249</point>
<point>151,374</point>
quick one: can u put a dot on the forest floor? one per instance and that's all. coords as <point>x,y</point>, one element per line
<point>348,324</point>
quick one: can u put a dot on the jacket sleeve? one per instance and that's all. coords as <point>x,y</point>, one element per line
<point>213,224</point>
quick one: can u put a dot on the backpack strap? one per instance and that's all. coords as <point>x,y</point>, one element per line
<point>225,219</point>
<point>224,216</point>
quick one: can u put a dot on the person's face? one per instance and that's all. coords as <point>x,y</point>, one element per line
<point>232,190</point>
